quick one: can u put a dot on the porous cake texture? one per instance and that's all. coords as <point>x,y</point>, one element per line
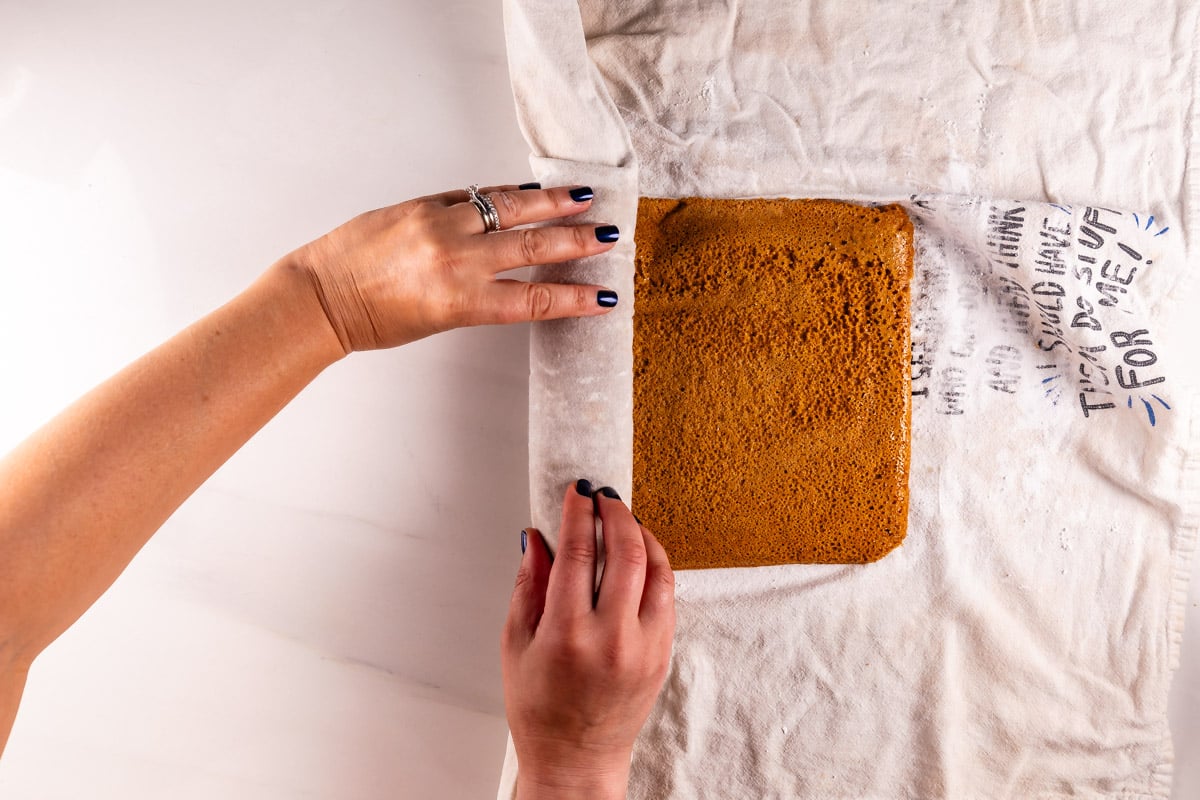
<point>772,391</point>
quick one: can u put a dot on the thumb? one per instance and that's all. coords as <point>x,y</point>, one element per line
<point>529,595</point>
<point>517,301</point>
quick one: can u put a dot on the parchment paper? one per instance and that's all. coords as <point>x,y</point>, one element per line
<point>581,371</point>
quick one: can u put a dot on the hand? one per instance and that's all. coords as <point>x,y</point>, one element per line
<point>401,273</point>
<point>582,669</point>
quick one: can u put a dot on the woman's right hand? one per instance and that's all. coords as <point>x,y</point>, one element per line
<point>583,668</point>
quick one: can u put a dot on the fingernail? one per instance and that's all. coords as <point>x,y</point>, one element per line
<point>607,233</point>
<point>639,522</point>
<point>610,493</point>
<point>530,185</point>
<point>581,194</point>
<point>584,487</point>
<point>606,298</point>
<point>524,541</point>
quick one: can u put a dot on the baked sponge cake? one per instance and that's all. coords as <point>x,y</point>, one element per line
<point>772,393</point>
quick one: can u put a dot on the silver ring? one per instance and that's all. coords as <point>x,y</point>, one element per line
<point>486,208</point>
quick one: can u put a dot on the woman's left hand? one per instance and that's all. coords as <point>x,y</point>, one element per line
<point>401,273</point>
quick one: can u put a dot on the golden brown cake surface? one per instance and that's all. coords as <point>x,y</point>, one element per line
<point>771,380</point>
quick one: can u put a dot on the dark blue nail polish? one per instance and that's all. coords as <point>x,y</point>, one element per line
<point>524,541</point>
<point>583,487</point>
<point>530,185</point>
<point>581,194</point>
<point>607,233</point>
<point>606,298</point>
<point>610,493</point>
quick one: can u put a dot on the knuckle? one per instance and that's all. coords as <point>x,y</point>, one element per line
<point>524,581</point>
<point>660,591</point>
<point>613,655</point>
<point>580,238</point>
<point>571,645</point>
<point>583,297</point>
<point>577,553</point>
<point>663,580</point>
<point>631,552</point>
<point>509,206</point>
<point>539,301</point>
<point>430,249</point>
<point>532,245</point>
<point>621,656</point>
<point>424,214</point>
<point>665,577</point>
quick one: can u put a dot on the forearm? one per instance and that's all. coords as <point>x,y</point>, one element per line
<point>81,496</point>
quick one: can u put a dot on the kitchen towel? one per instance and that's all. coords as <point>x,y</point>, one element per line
<point>1021,642</point>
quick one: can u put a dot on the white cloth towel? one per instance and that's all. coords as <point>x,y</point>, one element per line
<point>1020,643</point>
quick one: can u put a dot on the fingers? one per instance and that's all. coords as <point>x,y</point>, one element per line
<point>510,249</point>
<point>456,196</point>
<point>658,595</point>
<point>625,557</point>
<point>516,301</point>
<point>516,206</point>
<point>529,595</point>
<point>545,245</point>
<point>573,579</point>
<point>526,207</point>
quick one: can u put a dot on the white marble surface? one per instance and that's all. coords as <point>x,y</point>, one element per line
<point>321,619</point>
